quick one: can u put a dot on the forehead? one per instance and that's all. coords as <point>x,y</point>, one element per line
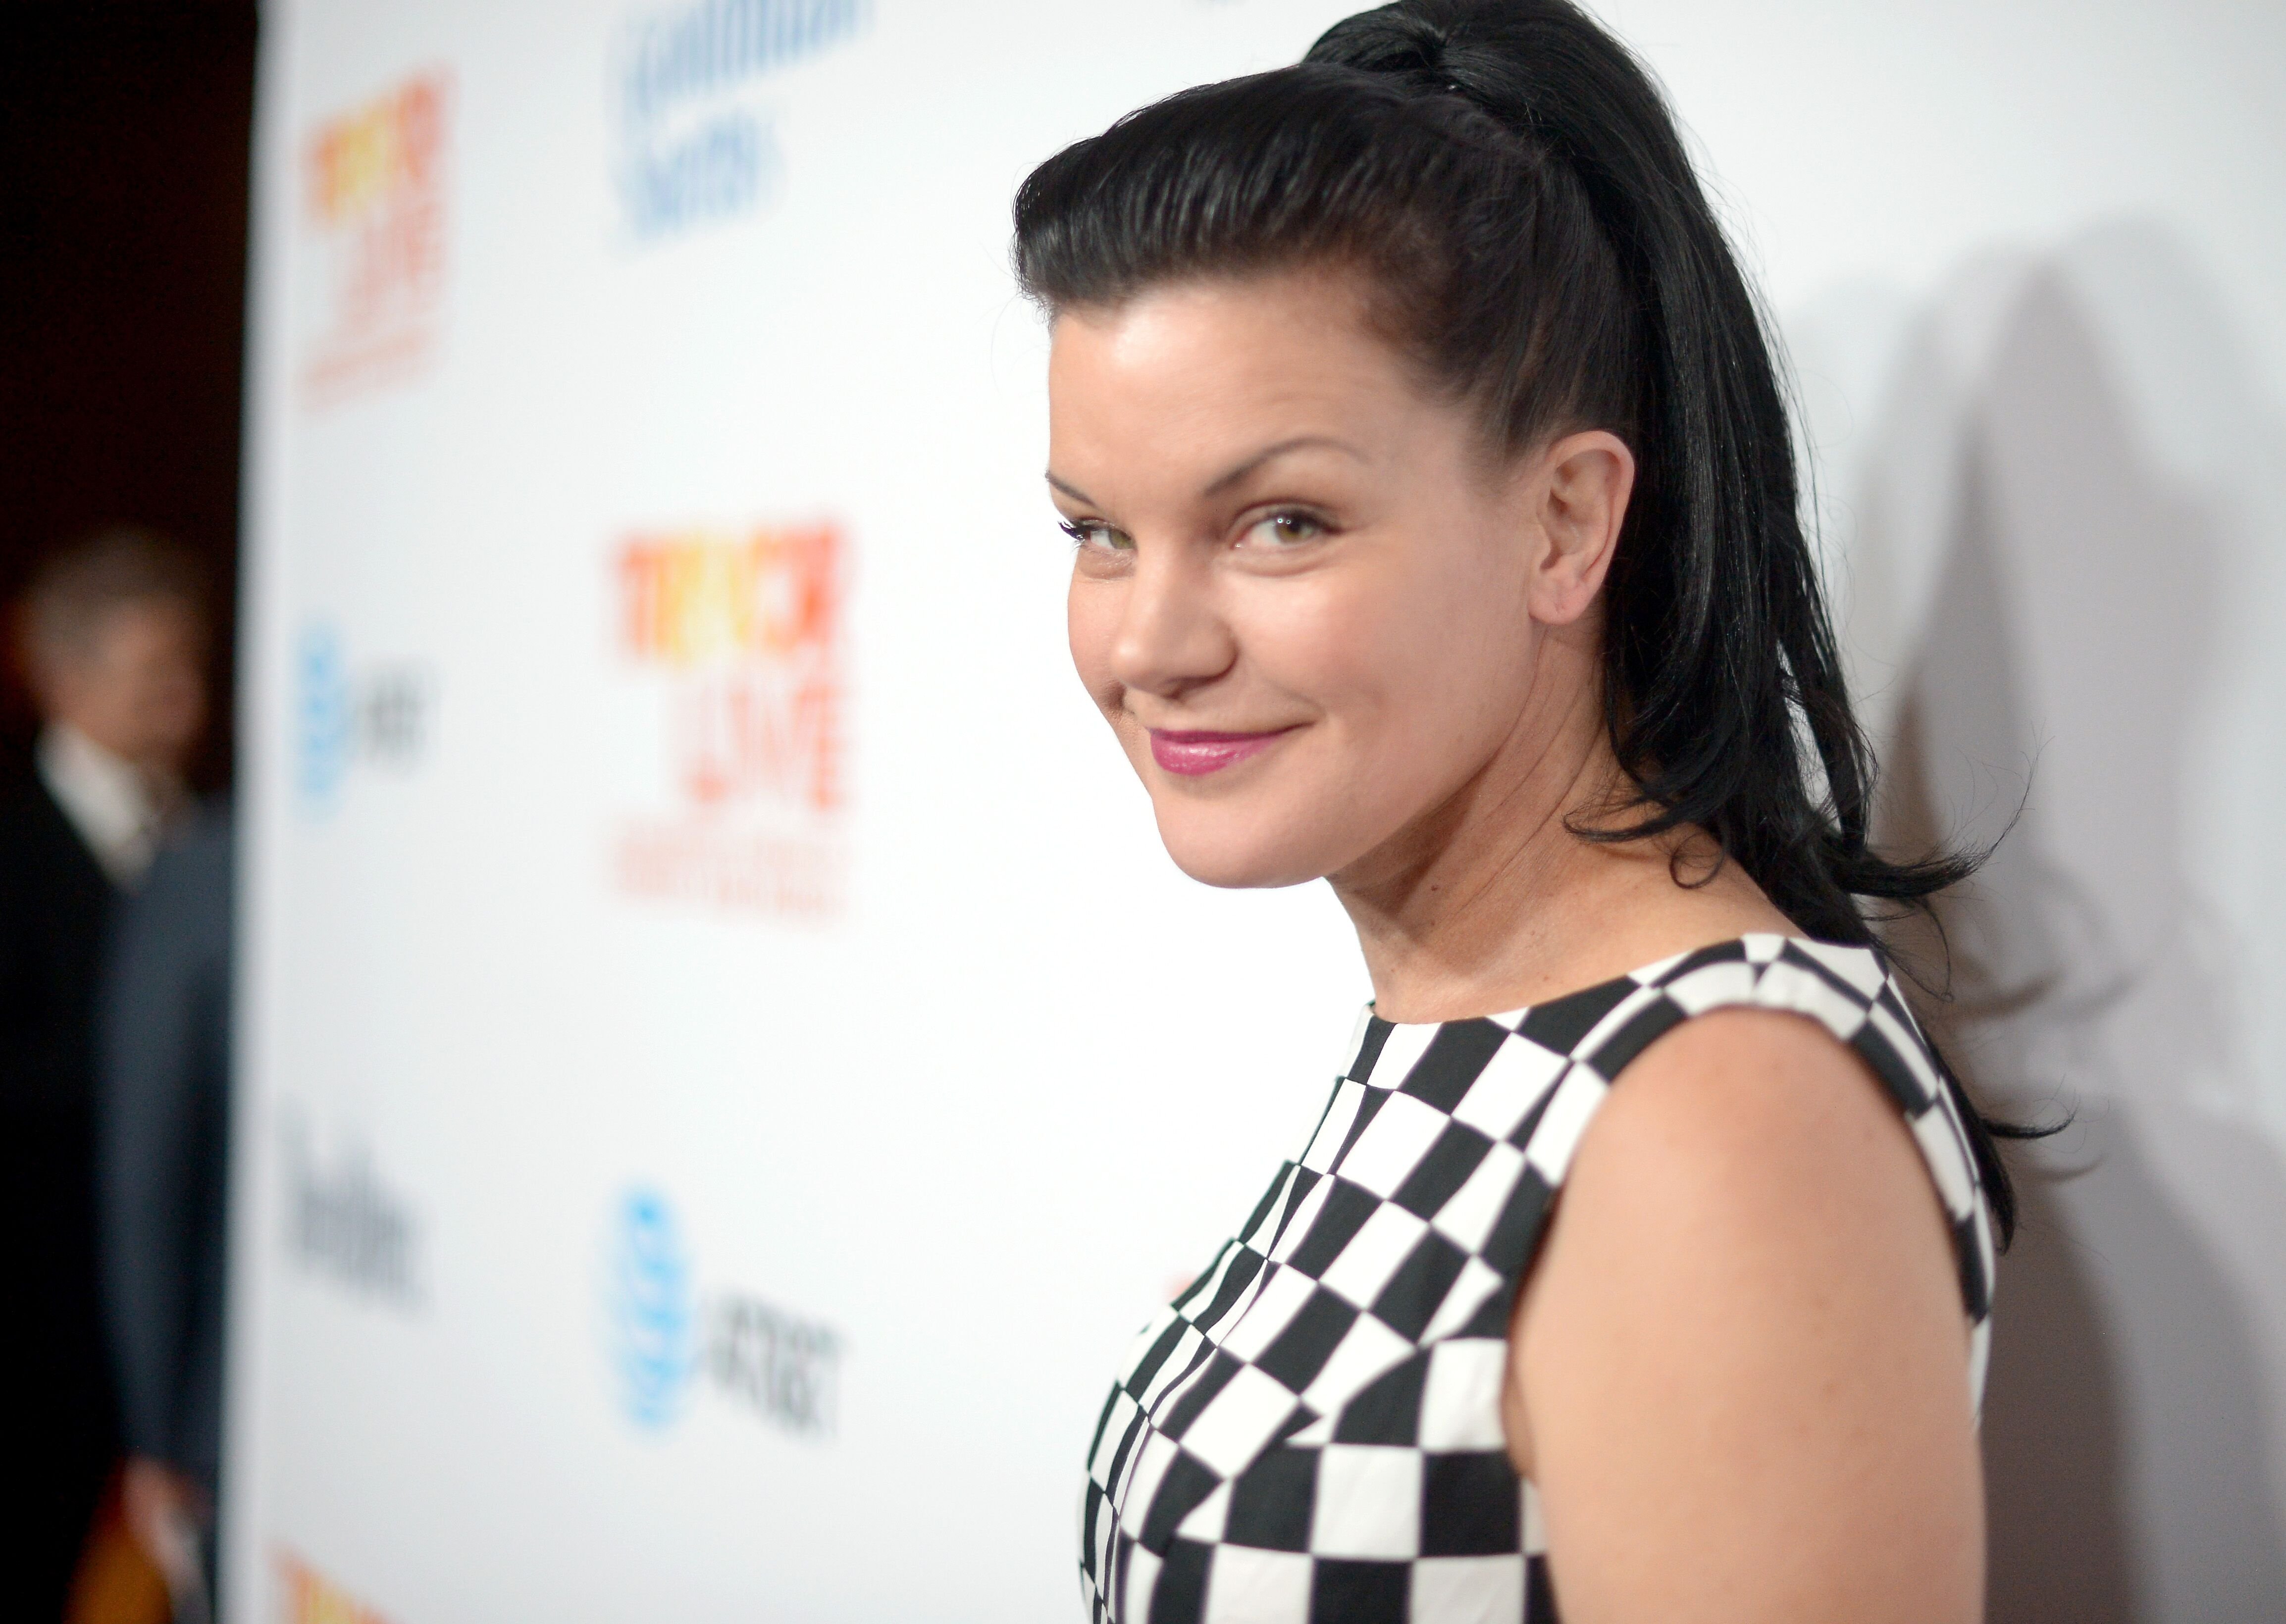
<point>1220,356</point>
<point>144,617</point>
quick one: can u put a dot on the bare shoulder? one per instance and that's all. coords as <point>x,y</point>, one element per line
<point>1742,1349</point>
<point>1759,1112</point>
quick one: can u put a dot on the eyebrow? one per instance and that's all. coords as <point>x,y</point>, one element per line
<point>1269,454</point>
<point>1222,482</point>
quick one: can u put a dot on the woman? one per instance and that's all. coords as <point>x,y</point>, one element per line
<point>1437,535</point>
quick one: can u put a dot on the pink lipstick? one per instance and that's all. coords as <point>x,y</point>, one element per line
<point>1195,754</point>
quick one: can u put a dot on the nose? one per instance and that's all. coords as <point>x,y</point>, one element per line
<point>1171,636</point>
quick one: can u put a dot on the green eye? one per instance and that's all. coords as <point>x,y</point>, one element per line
<point>1100,536</point>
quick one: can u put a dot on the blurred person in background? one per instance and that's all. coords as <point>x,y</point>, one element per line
<point>113,634</point>
<point>163,1070</point>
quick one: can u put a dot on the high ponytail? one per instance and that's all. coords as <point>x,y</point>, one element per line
<point>1512,185</point>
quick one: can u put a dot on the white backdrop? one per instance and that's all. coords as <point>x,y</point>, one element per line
<point>721,1040</point>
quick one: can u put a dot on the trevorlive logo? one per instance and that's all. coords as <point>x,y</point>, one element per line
<point>745,633</point>
<point>373,214</point>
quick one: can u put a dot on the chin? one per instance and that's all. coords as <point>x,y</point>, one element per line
<point>1236,854</point>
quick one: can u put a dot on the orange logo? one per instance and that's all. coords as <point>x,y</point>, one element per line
<point>309,1598</point>
<point>747,632</point>
<point>374,209</point>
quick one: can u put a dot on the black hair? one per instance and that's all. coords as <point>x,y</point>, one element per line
<point>1509,181</point>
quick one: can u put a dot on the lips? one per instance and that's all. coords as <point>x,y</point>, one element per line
<point>1193,756</point>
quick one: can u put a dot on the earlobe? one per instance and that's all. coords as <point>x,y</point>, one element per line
<point>1584,483</point>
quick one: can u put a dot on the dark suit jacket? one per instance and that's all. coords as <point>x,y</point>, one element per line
<point>57,1430</point>
<point>55,904</point>
<point>163,1139</point>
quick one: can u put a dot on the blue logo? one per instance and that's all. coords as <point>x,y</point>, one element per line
<point>653,1309</point>
<point>345,718</point>
<point>693,147</point>
<point>323,724</point>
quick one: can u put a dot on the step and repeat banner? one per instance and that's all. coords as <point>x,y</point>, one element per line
<point>721,1046</point>
<point>711,1122</point>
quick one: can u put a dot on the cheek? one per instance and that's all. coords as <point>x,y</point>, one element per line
<point>1379,655</point>
<point>1332,642</point>
<point>1421,669</point>
<point>176,685</point>
<point>1090,624</point>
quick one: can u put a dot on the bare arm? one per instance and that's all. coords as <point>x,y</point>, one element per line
<point>1739,1371</point>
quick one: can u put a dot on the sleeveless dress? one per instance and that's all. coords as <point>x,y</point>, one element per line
<point>1312,1433</point>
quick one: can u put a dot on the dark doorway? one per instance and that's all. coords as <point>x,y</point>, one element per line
<point>124,159</point>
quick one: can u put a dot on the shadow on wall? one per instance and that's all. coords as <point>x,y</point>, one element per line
<point>2058,592</point>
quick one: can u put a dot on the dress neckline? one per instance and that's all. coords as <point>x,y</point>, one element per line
<point>1753,947</point>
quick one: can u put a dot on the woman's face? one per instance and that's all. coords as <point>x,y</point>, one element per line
<point>1301,599</point>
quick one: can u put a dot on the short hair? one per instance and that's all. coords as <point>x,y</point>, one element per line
<point>76,586</point>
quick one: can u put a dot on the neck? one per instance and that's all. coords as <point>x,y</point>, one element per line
<point>1490,901</point>
<point>1448,911</point>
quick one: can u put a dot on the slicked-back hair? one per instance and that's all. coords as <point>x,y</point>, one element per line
<point>74,587</point>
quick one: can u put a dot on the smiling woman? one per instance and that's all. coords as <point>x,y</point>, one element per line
<point>1340,554</point>
<point>1436,536</point>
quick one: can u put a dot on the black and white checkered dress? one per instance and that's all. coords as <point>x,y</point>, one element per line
<point>1312,1432</point>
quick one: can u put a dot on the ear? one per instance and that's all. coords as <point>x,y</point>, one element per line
<point>1579,488</point>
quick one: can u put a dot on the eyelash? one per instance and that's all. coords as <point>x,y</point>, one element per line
<point>1080,532</point>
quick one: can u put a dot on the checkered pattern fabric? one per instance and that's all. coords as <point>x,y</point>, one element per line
<point>1312,1432</point>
